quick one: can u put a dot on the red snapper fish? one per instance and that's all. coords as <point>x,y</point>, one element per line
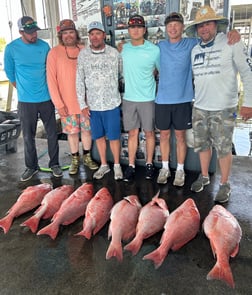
<point>30,198</point>
<point>122,227</point>
<point>71,209</point>
<point>224,233</point>
<point>49,206</point>
<point>151,220</point>
<point>97,213</point>
<point>181,226</point>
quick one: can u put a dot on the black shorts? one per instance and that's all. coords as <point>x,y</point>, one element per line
<point>178,116</point>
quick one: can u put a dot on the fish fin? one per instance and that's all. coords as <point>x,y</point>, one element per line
<point>6,222</point>
<point>134,246</point>
<point>127,236</point>
<point>50,230</point>
<point>213,248</point>
<point>235,252</point>
<point>223,273</point>
<point>32,223</point>
<point>177,246</point>
<point>97,229</point>
<point>156,256</point>
<point>155,198</point>
<point>115,250</point>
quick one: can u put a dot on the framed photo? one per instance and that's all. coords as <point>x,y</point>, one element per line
<point>188,8</point>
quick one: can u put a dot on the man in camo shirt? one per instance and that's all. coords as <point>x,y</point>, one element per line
<point>98,70</point>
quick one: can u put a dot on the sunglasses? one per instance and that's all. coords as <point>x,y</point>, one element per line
<point>136,22</point>
<point>67,23</point>
<point>29,25</point>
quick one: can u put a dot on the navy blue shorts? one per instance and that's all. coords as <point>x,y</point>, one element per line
<point>106,123</point>
<point>178,116</point>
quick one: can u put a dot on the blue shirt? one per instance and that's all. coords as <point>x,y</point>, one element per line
<point>175,76</point>
<point>139,63</point>
<point>25,64</point>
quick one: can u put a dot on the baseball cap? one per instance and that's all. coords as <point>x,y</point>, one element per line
<point>174,17</point>
<point>95,26</point>
<point>136,21</point>
<point>27,24</point>
<point>66,24</point>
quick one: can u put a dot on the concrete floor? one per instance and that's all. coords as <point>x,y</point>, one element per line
<point>31,264</point>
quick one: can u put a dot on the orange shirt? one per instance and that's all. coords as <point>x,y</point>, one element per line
<point>61,78</point>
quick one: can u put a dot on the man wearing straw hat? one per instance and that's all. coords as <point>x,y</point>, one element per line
<point>215,67</point>
<point>173,103</point>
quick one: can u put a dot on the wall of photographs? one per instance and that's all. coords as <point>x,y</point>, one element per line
<point>188,8</point>
<point>154,12</point>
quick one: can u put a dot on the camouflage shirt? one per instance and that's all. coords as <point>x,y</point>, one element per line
<point>97,79</point>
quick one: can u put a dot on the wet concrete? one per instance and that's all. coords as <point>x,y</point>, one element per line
<point>31,264</point>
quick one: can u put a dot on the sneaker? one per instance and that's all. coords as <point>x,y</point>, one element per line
<point>223,193</point>
<point>28,174</point>
<point>149,172</point>
<point>118,175</point>
<point>179,179</point>
<point>74,167</point>
<point>56,171</point>
<point>101,171</point>
<point>129,174</point>
<point>163,175</point>
<point>198,185</point>
<point>87,161</point>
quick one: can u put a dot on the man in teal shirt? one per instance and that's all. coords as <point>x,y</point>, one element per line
<point>141,59</point>
<point>25,67</point>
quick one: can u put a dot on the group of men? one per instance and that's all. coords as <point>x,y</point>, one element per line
<point>197,88</point>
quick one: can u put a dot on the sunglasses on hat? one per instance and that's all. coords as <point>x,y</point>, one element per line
<point>136,21</point>
<point>29,25</point>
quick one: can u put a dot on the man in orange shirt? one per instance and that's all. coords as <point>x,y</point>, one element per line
<point>61,78</point>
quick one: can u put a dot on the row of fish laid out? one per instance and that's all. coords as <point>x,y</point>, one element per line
<point>129,222</point>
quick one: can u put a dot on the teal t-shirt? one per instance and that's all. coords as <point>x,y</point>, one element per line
<point>139,64</point>
<point>25,64</point>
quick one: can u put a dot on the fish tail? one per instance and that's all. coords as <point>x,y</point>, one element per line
<point>156,256</point>
<point>86,229</point>
<point>6,222</point>
<point>223,273</point>
<point>85,233</point>
<point>115,250</point>
<point>134,246</point>
<point>50,230</point>
<point>32,223</point>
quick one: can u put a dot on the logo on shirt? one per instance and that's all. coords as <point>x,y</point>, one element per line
<point>199,59</point>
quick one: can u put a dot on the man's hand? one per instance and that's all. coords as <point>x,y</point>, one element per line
<point>233,37</point>
<point>63,112</point>
<point>86,112</point>
<point>246,113</point>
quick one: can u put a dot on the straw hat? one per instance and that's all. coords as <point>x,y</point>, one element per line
<point>205,14</point>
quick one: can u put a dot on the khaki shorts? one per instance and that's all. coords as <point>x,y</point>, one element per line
<point>213,129</point>
<point>74,124</point>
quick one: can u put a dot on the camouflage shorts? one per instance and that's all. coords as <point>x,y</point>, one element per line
<point>213,129</point>
<point>74,124</point>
